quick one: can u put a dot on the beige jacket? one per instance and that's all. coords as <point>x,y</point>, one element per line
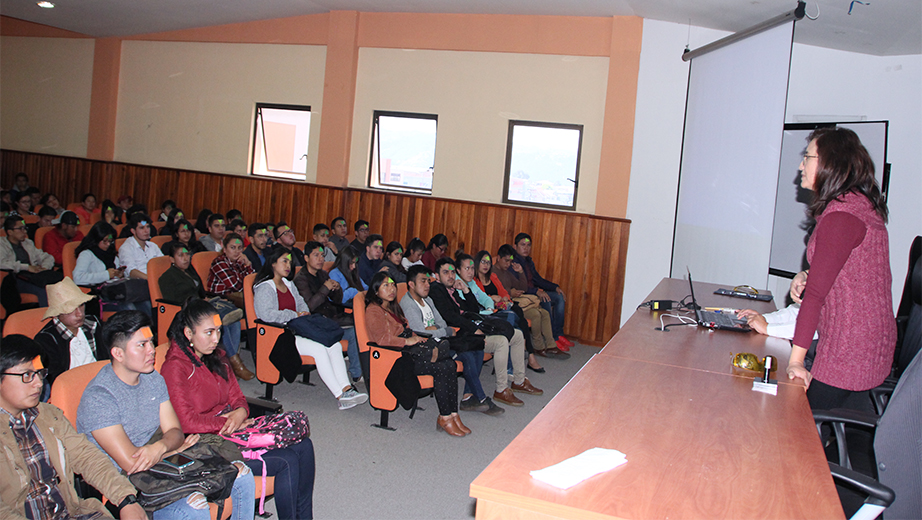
<point>70,452</point>
<point>8,259</point>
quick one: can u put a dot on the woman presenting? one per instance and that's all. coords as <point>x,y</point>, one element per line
<point>848,298</point>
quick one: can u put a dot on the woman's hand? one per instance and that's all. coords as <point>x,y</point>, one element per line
<point>235,419</point>
<point>496,299</point>
<point>796,370</point>
<point>413,340</point>
<point>756,321</point>
<point>797,286</point>
<point>113,273</point>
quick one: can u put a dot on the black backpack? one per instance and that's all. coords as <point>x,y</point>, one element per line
<point>163,484</point>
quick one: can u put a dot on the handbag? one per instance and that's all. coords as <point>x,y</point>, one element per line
<point>491,326</point>
<point>272,432</point>
<point>317,327</point>
<point>527,301</point>
<point>209,474</point>
<point>124,290</point>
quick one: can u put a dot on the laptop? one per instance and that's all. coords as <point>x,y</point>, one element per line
<point>715,320</point>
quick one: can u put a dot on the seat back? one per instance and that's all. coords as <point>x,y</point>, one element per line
<point>69,386</point>
<point>119,242</point>
<point>401,291</point>
<point>69,258</point>
<point>85,228</point>
<point>30,219</point>
<point>201,262</point>
<point>165,312</point>
<point>160,240</point>
<point>158,225</point>
<point>40,236</point>
<point>25,297</point>
<point>160,355</point>
<point>73,206</point>
<point>27,322</point>
<point>328,266</point>
<point>909,314</point>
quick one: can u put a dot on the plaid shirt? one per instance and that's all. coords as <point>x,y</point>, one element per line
<point>226,276</point>
<point>44,501</point>
<point>89,331</point>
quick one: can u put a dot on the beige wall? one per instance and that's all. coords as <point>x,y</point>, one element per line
<point>191,105</point>
<point>475,94</point>
<point>45,86</point>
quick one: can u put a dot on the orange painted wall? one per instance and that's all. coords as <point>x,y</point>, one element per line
<point>104,99</point>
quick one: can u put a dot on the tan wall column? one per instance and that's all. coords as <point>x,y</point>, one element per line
<point>104,99</point>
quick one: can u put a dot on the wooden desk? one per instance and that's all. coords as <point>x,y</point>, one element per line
<point>699,444</point>
<point>691,346</point>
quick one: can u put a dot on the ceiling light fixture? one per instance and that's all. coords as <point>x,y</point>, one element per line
<point>45,5</point>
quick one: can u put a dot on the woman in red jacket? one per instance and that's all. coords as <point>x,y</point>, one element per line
<point>207,399</point>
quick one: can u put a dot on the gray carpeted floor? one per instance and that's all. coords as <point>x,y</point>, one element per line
<point>415,471</point>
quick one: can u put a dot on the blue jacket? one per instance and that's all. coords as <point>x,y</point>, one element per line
<point>535,281</point>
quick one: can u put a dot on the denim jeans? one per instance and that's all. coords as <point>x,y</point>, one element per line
<point>230,337</point>
<point>472,363</point>
<point>355,365</point>
<point>243,496</point>
<point>293,469</point>
<point>556,307</point>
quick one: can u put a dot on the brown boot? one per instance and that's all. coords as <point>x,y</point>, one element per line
<point>447,423</point>
<point>506,397</point>
<point>240,370</point>
<point>457,419</point>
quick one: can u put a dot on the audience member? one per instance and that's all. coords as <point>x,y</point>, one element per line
<point>423,317</point>
<point>43,451</point>
<point>87,207</point>
<point>240,227</point>
<point>111,214</point>
<point>235,214</point>
<point>387,326</point>
<point>552,297</point>
<point>52,202</point>
<point>225,278</point>
<point>46,218</point>
<point>125,202</point>
<point>36,196</point>
<point>414,253</point>
<point>137,250</point>
<point>453,297</point>
<point>285,240</point>
<point>184,235</point>
<point>277,300</point>
<point>392,261</point>
<point>65,232</point>
<point>181,282</point>
<point>20,185</point>
<point>324,296</point>
<point>172,220</point>
<point>201,221</point>
<point>97,264</point>
<point>361,234</point>
<point>23,204</point>
<point>259,242</point>
<point>208,401</point>
<point>339,231</point>
<point>71,338</point>
<point>214,240</point>
<point>322,236</point>
<point>516,285</point>
<point>166,208</point>
<point>436,249</point>
<point>140,209</point>
<point>370,261</point>
<point>126,411</point>
<point>345,272</point>
<point>19,255</point>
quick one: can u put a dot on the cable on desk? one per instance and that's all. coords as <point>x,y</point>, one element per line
<point>684,320</point>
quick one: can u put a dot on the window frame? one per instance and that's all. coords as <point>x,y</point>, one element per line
<point>257,118</point>
<point>508,163</point>
<point>371,157</point>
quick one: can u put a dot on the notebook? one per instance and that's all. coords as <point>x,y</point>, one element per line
<point>715,320</point>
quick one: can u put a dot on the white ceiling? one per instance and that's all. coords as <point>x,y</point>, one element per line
<point>882,27</point>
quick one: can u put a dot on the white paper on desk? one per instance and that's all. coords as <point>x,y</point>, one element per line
<point>574,470</point>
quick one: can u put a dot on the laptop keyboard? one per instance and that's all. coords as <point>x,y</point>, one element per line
<point>720,319</point>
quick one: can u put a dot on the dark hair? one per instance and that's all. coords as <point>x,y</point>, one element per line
<point>11,222</point>
<point>135,209</point>
<point>438,241</point>
<point>175,246</point>
<point>18,176</point>
<point>234,214</point>
<point>86,196</point>
<point>372,239</point>
<point>22,194</point>
<point>136,219</point>
<point>521,236</point>
<point>168,203</point>
<point>337,219</point>
<point>213,217</point>
<point>392,246</point>
<point>505,250</point>
<point>179,225</point>
<point>47,211</point>
<point>106,206</point>
<point>231,236</point>
<point>201,222</point>
<point>254,228</point>
<point>17,349</point>
<point>121,326</point>
<point>169,228</point>
<point>320,227</point>
<point>266,272</point>
<point>461,257</point>
<point>415,245</point>
<point>94,236</point>
<point>343,261</point>
<point>478,258</point>
<point>371,295</point>
<point>193,312</point>
<point>32,190</point>
<point>45,197</point>
<point>442,261</point>
<point>275,230</point>
<point>416,270</point>
<point>311,246</point>
<point>237,222</point>
<point>843,165</point>
<point>360,223</point>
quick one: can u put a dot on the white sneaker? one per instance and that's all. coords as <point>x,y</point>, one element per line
<point>351,398</point>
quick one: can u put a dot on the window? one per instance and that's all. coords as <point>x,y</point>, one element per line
<point>280,141</point>
<point>542,164</point>
<point>402,151</point>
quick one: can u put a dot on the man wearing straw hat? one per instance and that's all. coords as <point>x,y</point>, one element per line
<point>71,338</point>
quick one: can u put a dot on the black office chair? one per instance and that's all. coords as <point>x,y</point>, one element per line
<point>897,450</point>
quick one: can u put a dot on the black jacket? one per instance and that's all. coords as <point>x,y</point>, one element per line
<point>56,350</point>
<point>450,310</point>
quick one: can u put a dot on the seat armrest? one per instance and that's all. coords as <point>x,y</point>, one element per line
<point>385,347</point>
<point>853,417</point>
<point>269,324</point>
<point>878,494</point>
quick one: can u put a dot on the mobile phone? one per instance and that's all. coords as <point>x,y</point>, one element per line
<point>122,268</point>
<point>178,461</point>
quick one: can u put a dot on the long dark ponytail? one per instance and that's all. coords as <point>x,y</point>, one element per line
<point>193,312</point>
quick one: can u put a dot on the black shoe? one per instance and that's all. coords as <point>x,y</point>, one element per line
<point>473,405</point>
<point>553,353</point>
<point>492,409</point>
<point>538,370</point>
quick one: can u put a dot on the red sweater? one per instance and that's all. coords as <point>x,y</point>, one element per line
<point>197,394</point>
<point>54,243</point>
<point>848,296</point>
